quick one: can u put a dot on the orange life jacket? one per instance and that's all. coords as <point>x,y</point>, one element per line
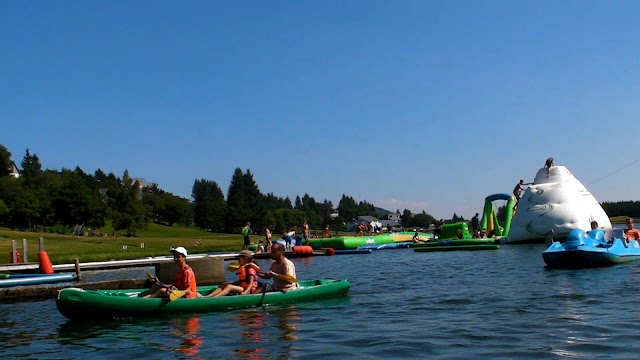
<point>243,274</point>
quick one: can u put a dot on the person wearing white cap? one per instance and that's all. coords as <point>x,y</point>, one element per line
<point>185,279</point>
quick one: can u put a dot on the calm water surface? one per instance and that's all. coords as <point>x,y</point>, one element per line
<point>402,304</point>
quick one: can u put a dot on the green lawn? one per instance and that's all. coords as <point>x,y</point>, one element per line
<point>157,240</point>
<point>619,219</point>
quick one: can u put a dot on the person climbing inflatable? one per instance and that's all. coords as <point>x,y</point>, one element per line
<point>548,164</point>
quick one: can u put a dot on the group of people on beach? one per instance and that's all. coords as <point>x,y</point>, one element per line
<point>282,271</point>
<point>287,236</point>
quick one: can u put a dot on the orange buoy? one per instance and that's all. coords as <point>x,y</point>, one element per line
<point>45,263</point>
<point>302,249</point>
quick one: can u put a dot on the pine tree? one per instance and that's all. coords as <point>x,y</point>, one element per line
<point>31,166</point>
<point>209,205</point>
<point>5,161</point>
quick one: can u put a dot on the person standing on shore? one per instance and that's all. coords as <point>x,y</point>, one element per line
<point>245,234</point>
<point>267,237</point>
<point>305,232</point>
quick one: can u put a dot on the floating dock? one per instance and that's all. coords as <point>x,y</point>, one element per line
<point>456,248</point>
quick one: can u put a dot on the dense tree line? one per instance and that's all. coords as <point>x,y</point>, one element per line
<point>41,199</point>
<point>51,198</point>
<point>622,208</point>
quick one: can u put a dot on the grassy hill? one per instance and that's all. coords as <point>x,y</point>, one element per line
<point>157,240</point>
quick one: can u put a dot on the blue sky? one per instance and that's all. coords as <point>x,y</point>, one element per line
<point>425,105</point>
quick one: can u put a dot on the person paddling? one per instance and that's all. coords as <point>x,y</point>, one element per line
<point>280,266</point>
<point>247,277</point>
<point>185,279</point>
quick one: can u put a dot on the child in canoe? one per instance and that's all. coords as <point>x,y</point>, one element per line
<point>247,277</point>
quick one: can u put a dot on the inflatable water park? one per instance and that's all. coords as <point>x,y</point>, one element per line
<point>373,241</point>
<point>557,202</point>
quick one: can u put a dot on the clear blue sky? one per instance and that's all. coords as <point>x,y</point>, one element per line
<point>425,105</point>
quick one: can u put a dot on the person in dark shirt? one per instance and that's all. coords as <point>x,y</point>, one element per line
<point>548,164</point>
<point>475,223</point>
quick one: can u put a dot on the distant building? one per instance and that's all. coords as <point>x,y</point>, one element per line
<point>391,224</point>
<point>391,217</point>
<point>353,223</point>
<point>391,221</point>
<point>14,172</point>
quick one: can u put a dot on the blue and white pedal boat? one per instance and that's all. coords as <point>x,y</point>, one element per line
<point>595,249</point>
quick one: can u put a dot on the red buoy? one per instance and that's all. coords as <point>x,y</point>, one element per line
<point>18,260</point>
<point>329,251</point>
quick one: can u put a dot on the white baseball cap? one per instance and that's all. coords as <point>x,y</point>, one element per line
<point>179,250</point>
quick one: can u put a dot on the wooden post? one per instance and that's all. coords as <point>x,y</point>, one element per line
<point>24,251</point>
<point>14,258</point>
<point>41,244</point>
<point>76,262</point>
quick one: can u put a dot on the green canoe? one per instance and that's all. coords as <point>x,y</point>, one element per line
<point>456,248</point>
<point>76,303</point>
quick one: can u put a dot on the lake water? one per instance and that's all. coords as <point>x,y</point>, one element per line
<point>451,305</point>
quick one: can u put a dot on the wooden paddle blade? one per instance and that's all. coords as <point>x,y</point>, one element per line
<point>287,278</point>
<point>155,279</point>
<point>233,266</point>
<point>176,294</point>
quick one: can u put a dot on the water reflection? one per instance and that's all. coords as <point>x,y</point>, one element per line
<point>187,330</point>
<point>74,332</point>
<point>287,320</point>
<point>252,325</point>
<point>266,332</point>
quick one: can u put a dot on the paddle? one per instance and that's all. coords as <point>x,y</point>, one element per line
<point>233,266</point>
<point>173,294</point>
<point>285,277</point>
